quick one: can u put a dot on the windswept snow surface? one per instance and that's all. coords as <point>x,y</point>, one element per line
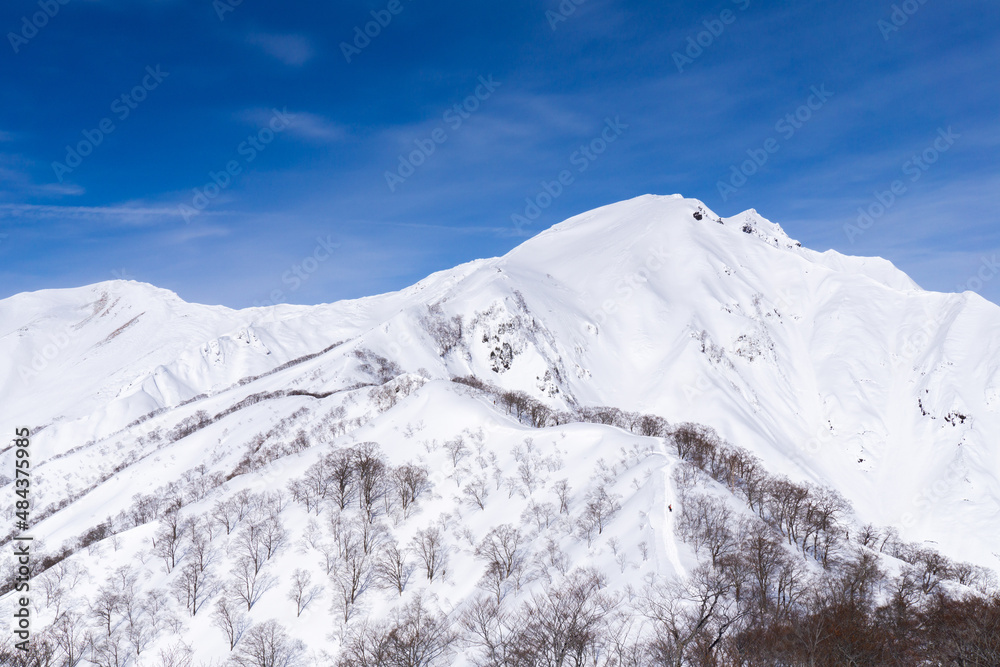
<point>833,369</point>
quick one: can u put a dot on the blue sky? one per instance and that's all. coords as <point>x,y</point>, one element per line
<point>165,96</point>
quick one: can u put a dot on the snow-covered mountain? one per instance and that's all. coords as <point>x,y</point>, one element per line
<point>833,370</point>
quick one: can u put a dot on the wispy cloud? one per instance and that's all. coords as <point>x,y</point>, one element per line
<point>293,50</point>
<point>129,215</point>
<point>316,128</point>
<point>304,124</point>
<point>16,176</point>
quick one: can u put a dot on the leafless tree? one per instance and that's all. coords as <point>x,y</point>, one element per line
<point>502,548</point>
<point>202,552</point>
<point>192,586</point>
<point>410,481</point>
<point>272,535</point>
<point>248,582</point>
<point>351,578</point>
<point>601,506</point>
<point>106,607</point>
<point>302,591</point>
<point>176,655</point>
<point>430,548</point>
<point>224,514</point>
<point>268,645</point>
<point>392,567</point>
<point>249,543</point>
<point>562,492</point>
<point>51,585</point>
<point>476,492</point>
<point>694,615</point>
<point>372,475</point>
<point>110,651</point>
<point>457,450</point>
<point>565,625</point>
<point>167,542</point>
<point>230,620</point>
<point>415,637</point>
<point>489,631</point>
<point>69,634</point>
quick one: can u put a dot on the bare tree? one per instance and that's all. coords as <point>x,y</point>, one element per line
<point>106,607</point>
<point>224,514</point>
<point>302,591</point>
<point>601,506</point>
<point>415,637</point>
<point>410,482</point>
<point>52,586</point>
<point>192,586</point>
<point>697,613</point>
<point>476,492</point>
<point>566,625</point>
<point>230,620</point>
<point>272,535</point>
<point>249,543</point>
<point>248,582</point>
<point>167,542</point>
<point>562,492</point>
<point>392,567</point>
<point>457,450</point>
<point>429,546</point>
<point>502,548</point>
<point>489,632</point>
<point>372,476</point>
<point>340,468</point>
<point>202,552</point>
<point>110,651</point>
<point>69,635</point>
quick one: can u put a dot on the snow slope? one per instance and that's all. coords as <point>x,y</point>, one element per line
<point>833,369</point>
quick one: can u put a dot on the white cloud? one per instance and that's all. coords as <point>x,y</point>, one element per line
<point>293,50</point>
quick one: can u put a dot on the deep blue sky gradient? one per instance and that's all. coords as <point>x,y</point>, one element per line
<point>118,213</point>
